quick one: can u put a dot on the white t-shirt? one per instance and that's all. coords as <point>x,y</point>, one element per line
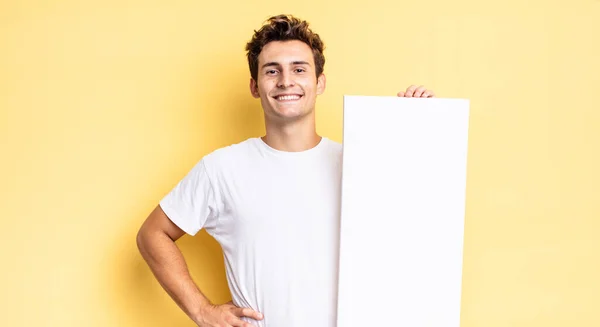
<point>276,215</point>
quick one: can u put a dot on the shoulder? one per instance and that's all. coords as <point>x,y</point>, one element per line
<point>230,154</point>
<point>332,146</point>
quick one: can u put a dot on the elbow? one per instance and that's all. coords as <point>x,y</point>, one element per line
<point>139,240</point>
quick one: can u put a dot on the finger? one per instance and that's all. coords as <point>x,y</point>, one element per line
<point>237,322</point>
<point>410,91</point>
<point>233,321</point>
<point>419,91</point>
<point>247,312</point>
<point>401,94</point>
<point>427,94</point>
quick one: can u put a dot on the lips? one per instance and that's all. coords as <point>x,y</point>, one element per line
<point>287,97</point>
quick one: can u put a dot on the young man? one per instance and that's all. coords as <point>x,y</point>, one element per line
<point>273,203</point>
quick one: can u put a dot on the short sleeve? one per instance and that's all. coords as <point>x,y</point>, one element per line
<point>191,204</point>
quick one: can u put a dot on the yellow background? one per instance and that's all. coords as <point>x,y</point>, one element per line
<point>105,105</point>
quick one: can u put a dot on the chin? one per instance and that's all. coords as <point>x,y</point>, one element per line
<point>288,116</point>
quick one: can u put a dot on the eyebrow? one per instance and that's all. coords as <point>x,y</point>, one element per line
<point>273,63</point>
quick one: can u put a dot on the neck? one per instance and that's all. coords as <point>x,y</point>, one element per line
<point>294,136</point>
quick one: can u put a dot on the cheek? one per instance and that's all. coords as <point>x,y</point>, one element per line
<point>307,85</point>
<point>266,87</point>
<point>310,89</point>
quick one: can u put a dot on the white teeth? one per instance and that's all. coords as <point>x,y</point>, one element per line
<point>288,97</point>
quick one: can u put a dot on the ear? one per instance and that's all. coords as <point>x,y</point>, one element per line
<point>321,82</point>
<point>254,88</point>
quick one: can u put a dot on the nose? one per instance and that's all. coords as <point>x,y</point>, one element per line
<point>285,80</point>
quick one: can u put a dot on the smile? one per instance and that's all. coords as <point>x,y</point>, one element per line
<point>288,97</point>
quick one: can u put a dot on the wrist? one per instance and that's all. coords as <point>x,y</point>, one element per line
<point>199,312</point>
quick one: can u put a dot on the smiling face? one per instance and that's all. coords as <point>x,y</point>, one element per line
<point>286,83</point>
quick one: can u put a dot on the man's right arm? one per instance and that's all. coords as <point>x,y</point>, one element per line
<point>156,242</point>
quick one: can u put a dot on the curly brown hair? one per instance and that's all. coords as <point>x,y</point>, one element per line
<point>284,28</point>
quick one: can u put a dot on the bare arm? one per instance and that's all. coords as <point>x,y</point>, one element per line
<point>156,242</point>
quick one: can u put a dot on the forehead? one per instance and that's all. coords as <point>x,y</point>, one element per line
<point>285,52</point>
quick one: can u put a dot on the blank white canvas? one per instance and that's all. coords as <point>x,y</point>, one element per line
<point>403,206</point>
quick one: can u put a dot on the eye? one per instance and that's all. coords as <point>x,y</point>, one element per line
<point>299,70</point>
<point>271,72</point>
